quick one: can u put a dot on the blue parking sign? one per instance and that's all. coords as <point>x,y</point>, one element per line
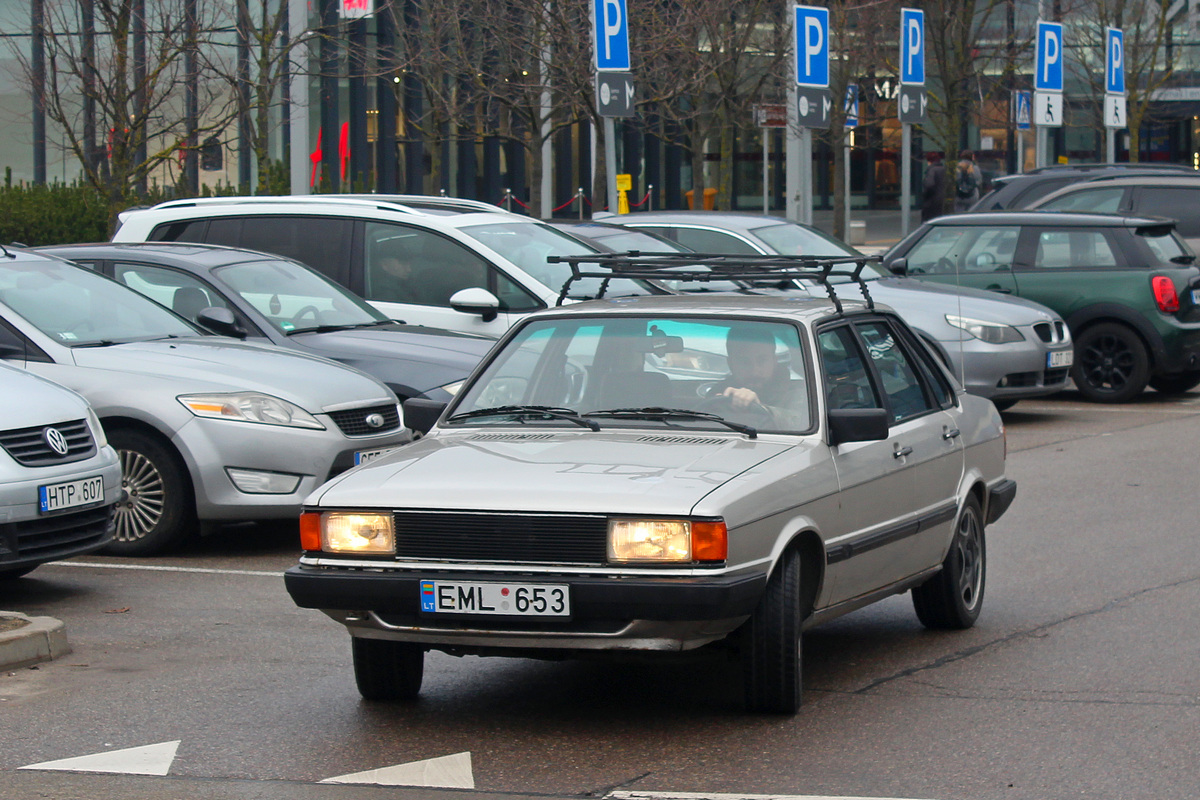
<point>611,28</point>
<point>912,47</point>
<point>852,105</point>
<point>1114,62</point>
<point>812,46</point>
<point>1048,74</point>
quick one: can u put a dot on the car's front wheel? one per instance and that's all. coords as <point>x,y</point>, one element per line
<point>387,671</point>
<point>158,512</point>
<point>1112,365</point>
<point>952,599</point>
<point>772,643</point>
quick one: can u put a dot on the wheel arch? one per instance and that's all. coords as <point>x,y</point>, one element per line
<point>808,544</point>
<point>1085,318</point>
<point>113,423</point>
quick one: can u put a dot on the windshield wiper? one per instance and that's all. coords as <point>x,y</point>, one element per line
<point>101,343</point>
<point>663,414</point>
<point>527,411</point>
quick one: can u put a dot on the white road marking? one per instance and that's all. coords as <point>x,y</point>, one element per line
<point>447,772</point>
<point>158,568</point>
<point>623,795</point>
<point>151,759</point>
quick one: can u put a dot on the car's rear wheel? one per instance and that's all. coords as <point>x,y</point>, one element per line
<point>158,511</point>
<point>387,671</point>
<point>952,599</point>
<point>772,643</point>
<point>1178,383</point>
<point>1112,365</point>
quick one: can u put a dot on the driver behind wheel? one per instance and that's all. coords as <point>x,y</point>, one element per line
<point>759,381</point>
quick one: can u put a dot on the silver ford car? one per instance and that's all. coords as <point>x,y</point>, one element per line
<point>59,478</point>
<point>208,429</point>
<point>664,474</point>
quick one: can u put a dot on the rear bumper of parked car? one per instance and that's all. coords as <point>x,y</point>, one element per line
<point>607,612</point>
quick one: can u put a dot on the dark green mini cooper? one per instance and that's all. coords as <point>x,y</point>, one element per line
<point>1127,286</point>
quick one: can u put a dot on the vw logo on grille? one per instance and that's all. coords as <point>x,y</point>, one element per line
<point>375,421</point>
<point>57,442</point>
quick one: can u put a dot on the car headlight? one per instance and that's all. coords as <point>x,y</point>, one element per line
<point>97,429</point>
<point>666,541</point>
<point>250,407</point>
<point>347,532</point>
<point>990,332</point>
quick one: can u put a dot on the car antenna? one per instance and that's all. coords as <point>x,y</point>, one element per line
<point>704,267</point>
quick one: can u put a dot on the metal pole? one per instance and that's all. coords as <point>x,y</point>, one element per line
<point>1020,151</point>
<point>37,60</point>
<point>766,134</point>
<point>299,164</point>
<point>610,162</point>
<point>1110,145</point>
<point>806,176</point>
<point>905,177</point>
<point>846,146</point>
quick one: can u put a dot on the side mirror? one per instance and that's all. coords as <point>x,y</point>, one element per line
<point>899,267</point>
<point>857,425</point>
<point>221,321</point>
<point>476,301</point>
<point>421,414</point>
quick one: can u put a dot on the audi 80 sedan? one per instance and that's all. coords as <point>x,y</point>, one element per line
<point>664,474</point>
<point>208,429</point>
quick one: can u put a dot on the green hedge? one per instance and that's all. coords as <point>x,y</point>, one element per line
<point>52,214</point>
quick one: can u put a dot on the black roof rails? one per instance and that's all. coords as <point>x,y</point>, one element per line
<point>637,265</point>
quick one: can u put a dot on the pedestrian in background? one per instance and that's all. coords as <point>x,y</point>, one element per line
<point>966,182</point>
<point>933,198</point>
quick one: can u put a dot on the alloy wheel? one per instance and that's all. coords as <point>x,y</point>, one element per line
<point>145,497</point>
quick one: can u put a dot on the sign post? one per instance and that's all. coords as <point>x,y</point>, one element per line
<point>912,101</point>
<point>1048,85</point>
<point>1020,104</point>
<point>851,108</point>
<point>813,103</point>
<point>768,116</point>
<point>1114,89</point>
<point>614,86</point>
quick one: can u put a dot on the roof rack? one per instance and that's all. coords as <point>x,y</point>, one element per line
<point>637,265</point>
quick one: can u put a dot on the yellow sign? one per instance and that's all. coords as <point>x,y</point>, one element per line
<point>1063,160</point>
<point>624,183</point>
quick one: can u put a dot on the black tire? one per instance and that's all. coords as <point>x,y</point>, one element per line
<point>387,671</point>
<point>1112,364</point>
<point>158,512</point>
<point>952,599</point>
<point>1178,383</point>
<point>18,572</point>
<point>772,643</point>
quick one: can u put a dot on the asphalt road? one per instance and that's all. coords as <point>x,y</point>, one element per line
<point>1080,680</point>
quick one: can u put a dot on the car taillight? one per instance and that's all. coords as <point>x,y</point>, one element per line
<point>1165,294</point>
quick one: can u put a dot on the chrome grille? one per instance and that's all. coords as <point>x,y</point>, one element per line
<point>1051,333</point>
<point>29,447</point>
<point>502,537</point>
<point>354,421</point>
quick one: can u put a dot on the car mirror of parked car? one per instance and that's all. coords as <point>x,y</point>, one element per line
<point>899,267</point>
<point>420,414</point>
<point>220,321</point>
<point>476,301</point>
<point>854,425</point>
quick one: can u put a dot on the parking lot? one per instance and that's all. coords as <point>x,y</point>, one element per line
<point>1078,681</point>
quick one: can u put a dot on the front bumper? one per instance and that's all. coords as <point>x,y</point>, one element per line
<point>607,612</point>
<point>1016,371</point>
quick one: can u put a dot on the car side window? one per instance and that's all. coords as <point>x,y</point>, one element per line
<point>1100,201</point>
<point>412,265</point>
<point>1174,202</point>
<point>188,230</point>
<point>904,389</point>
<point>968,248</point>
<point>1074,249</point>
<point>323,243</point>
<point>992,250</point>
<point>15,345</point>
<point>848,382</point>
<point>178,291</point>
<point>705,241</point>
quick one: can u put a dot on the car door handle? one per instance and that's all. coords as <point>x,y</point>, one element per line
<point>950,433</point>
<point>901,452</point>
<point>999,289</point>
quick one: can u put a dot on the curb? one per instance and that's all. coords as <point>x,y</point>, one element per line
<point>43,639</point>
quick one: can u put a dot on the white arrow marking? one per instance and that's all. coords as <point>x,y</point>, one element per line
<point>151,759</point>
<point>450,772</point>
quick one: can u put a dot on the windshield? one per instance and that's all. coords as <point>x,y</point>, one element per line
<point>789,239</point>
<point>527,244</point>
<point>294,298</point>
<point>76,306</point>
<point>694,365</point>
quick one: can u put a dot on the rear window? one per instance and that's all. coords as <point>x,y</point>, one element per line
<point>1163,242</point>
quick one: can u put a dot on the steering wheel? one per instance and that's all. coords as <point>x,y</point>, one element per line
<point>943,265</point>
<point>311,310</point>
<point>756,415</point>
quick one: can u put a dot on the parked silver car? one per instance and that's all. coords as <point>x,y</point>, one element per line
<point>207,428</point>
<point>662,474</point>
<point>59,478</point>
<point>1003,348</point>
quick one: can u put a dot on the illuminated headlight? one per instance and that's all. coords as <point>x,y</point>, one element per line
<point>250,407</point>
<point>990,332</point>
<point>346,532</point>
<point>255,481</point>
<point>97,429</point>
<point>665,541</point>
